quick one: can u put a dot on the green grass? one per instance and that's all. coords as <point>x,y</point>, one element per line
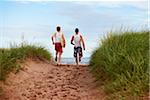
<point>10,58</point>
<point>122,62</point>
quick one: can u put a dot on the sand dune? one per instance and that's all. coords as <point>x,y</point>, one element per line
<point>43,81</point>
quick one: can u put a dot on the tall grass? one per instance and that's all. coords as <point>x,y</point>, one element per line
<point>10,58</point>
<point>122,62</point>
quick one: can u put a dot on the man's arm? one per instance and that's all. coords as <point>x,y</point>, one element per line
<point>72,40</point>
<point>53,38</point>
<point>82,40</point>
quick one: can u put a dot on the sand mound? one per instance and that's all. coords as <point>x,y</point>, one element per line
<point>43,81</point>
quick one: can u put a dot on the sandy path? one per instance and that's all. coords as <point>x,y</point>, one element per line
<point>41,81</point>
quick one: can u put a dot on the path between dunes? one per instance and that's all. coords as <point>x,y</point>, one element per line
<point>43,81</point>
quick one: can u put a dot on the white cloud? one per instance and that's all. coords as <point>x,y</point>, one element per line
<point>85,15</point>
<point>94,20</point>
<point>36,0</point>
<point>140,4</point>
<point>25,2</point>
<point>75,0</point>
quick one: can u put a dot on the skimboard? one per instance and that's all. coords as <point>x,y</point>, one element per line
<point>62,41</point>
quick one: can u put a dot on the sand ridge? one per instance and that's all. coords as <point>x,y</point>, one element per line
<point>44,81</point>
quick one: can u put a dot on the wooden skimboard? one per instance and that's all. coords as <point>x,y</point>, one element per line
<point>62,41</point>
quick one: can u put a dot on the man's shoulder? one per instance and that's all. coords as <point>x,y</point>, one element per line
<point>80,35</point>
<point>54,33</point>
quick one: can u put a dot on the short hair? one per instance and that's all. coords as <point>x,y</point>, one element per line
<point>76,30</point>
<point>58,28</point>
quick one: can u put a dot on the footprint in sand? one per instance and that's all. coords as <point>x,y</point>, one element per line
<point>42,81</point>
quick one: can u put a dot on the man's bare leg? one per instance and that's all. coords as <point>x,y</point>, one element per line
<point>56,56</point>
<point>59,58</point>
<point>77,59</point>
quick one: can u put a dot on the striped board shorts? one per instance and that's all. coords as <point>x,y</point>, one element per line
<point>78,50</point>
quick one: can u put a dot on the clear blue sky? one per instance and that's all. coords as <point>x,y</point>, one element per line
<point>36,20</point>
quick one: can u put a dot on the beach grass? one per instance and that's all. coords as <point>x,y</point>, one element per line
<point>121,62</point>
<point>10,59</point>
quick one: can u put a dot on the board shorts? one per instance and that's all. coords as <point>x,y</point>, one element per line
<point>58,47</point>
<point>78,50</point>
